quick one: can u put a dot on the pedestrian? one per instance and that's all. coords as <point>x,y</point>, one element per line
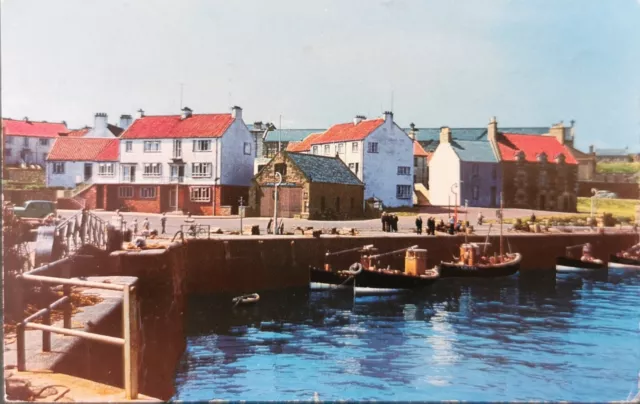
<point>480,218</point>
<point>145,224</point>
<point>459,226</point>
<point>452,223</point>
<point>395,223</point>
<point>419,225</point>
<point>533,217</point>
<point>431,225</point>
<point>134,227</point>
<point>281,228</point>
<point>163,222</point>
<point>192,224</point>
<point>269,225</point>
<point>383,219</point>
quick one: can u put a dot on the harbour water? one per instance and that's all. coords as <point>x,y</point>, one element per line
<point>533,337</point>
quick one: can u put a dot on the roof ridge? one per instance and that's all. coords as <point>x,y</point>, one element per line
<point>33,121</point>
<point>178,115</point>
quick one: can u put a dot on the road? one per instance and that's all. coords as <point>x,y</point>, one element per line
<point>406,224</point>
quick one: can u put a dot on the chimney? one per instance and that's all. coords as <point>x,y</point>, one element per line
<point>445,134</point>
<point>558,131</point>
<point>125,121</point>
<point>100,122</point>
<point>358,119</point>
<point>388,116</point>
<point>236,112</point>
<point>186,113</point>
<point>257,125</point>
<point>26,119</point>
<point>412,131</point>
<point>140,114</point>
<point>492,130</point>
<point>591,150</point>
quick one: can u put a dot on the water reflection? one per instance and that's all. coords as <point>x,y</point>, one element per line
<point>531,336</point>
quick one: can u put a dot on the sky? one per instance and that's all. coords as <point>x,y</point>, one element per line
<point>436,63</point>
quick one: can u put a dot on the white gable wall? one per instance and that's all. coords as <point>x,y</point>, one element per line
<point>444,171</point>
<point>236,166</point>
<point>380,170</point>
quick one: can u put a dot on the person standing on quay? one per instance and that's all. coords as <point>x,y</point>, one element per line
<point>163,222</point>
<point>383,219</point>
<point>419,225</point>
<point>394,223</point>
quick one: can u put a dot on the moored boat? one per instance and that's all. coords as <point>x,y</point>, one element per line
<point>367,277</point>
<point>626,258</point>
<point>587,262</point>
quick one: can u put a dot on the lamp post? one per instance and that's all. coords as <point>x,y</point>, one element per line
<point>594,192</point>
<point>275,203</point>
<point>455,195</point>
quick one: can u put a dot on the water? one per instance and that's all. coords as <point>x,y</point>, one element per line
<point>521,338</point>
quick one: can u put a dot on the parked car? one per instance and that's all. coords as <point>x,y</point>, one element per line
<point>606,194</point>
<point>35,209</point>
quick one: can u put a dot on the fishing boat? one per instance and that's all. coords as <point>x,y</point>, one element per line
<point>628,257</point>
<point>246,299</point>
<point>367,276</point>
<point>475,263</point>
<point>569,263</point>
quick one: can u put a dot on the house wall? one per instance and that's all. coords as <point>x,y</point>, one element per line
<point>37,153</point>
<point>487,178</point>
<point>236,165</point>
<point>444,171</point>
<point>73,174</point>
<point>351,200</point>
<point>380,170</point>
<point>543,186</point>
<point>348,155</point>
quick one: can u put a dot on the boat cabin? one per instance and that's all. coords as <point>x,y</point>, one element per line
<point>415,262</point>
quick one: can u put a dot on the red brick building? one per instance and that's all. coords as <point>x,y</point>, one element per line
<point>312,187</point>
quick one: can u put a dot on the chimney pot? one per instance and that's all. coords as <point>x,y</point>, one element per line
<point>186,113</point>
<point>236,112</point>
<point>357,119</point>
<point>445,134</point>
<point>140,113</point>
<point>492,130</point>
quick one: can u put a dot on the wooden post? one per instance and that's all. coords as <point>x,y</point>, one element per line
<point>130,329</point>
<point>21,349</point>
<point>46,335</point>
<point>66,289</point>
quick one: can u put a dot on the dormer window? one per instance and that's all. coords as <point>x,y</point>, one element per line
<point>542,157</point>
<point>520,156</point>
<point>560,158</point>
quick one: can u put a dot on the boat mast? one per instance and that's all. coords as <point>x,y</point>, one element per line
<point>501,220</point>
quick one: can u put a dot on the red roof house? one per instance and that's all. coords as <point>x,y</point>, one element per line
<point>532,146</point>
<point>347,132</point>
<point>27,128</point>
<point>173,126</point>
<point>304,145</point>
<point>81,149</point>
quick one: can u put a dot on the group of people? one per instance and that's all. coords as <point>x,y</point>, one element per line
<point>119,222</point>
<point>389,222</point>
<point>278,229</point>
<point>430,227</point>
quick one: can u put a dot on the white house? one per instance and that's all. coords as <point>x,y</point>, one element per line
<point>28,141</point>
<point>79,160</point>
<point>378,151</point>
<point>200,163</point>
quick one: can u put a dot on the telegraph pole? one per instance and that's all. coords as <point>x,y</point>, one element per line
<point>241,211</point>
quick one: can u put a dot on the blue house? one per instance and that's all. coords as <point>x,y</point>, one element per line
<point>464,171</point>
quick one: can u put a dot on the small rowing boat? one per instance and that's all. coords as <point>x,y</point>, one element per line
<point>587,262</point>
<point>246,299</point>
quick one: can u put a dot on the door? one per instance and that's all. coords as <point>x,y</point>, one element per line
<point>493,196</point>
<point>289,202</point>
<point>100,196</point>
<point>172,202</point>
<point>88,171</point>
<point>266,201</point>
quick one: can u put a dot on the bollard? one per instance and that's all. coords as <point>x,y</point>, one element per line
<point>20,348</point>
<point>130,328</point>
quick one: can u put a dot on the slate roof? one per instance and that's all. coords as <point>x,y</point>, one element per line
<point>433,134</point>
<point>347,132</point>
<point>532,145</point>
<point>83,149</point>
<point>612,152</point>
<point>324,169</point>
<point>474,151</point>
<point>13,127</point>
<point>172,126</point>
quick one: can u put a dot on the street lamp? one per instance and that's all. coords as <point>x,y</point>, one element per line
<point>275,203</point>
<point>594,192</point>
<point>455,194</point>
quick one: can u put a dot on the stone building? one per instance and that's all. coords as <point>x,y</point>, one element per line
<point>312,187</point>
<point>538,171</point>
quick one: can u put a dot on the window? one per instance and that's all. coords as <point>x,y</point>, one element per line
<point>403,191</point>
<point>177,148</point>
<point>25,142</point>
<point>128,146</point>
<point>404,170</point>
<point>58,168</point>
<point>200,194</point>
<point>125,192</point>
<point>280,168</point>
<point>476,192</point>
<point>201,170</point>
<point>315,150</point>
<point>354,147</point>
<point>152,169</point>
<point>340,147</point>
<point>8,139</point>
<point>494,172</point>
<point>7,152</point>
<point>202,145</point>
<point>44,142</point>
<point>128,173</point>
<point>372,147</point>
<point>327,149</point>
<point>152,146</point>
<point>475,169</point>
<point>354,167</point>
<point>247,148</point>
<point>148,192</point>
<point>105,169</point>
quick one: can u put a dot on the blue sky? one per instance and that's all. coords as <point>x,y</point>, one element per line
<point>455,63</point>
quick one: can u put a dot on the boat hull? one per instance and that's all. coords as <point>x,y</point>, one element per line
<point>455,270</point>
<point>614,259</point>
<point>368,281</point>
<point>566,264</point>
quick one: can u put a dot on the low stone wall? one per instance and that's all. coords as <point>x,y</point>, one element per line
<point>25,175</point>
<point>249,264</point>
<point>20,196</point>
